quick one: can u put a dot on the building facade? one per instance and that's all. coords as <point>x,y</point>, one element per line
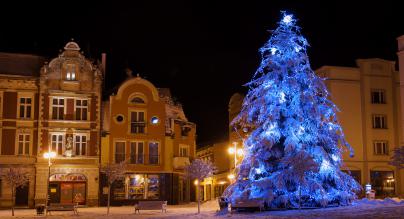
<point>368,97</point>
<point>146,128</point>
<point>47,107</point>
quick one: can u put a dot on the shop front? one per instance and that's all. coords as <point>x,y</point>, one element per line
<point>68,188</point>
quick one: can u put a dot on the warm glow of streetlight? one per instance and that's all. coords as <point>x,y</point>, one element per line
<point>231,176</point>
<point>196,182</point>
<point>231,150</point>
<point>240,152</point>
<point>50,154</point>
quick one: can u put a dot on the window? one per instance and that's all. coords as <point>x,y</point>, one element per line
<point>137,122</point>
<point>58,107</point>
<point>136,152</point>
<point>80,145</point>
<point>142,186</point>
<point>70,72</point>
<point>153,153</point>
<point>25,107</point>
<point>379,122</point>
<point>57,143</point>
<point>184,150</point>
<point>23,144</point>
<point>119,152</point>
<point>378,96</point>
<point>137,100</point>
<point>383,183</point>
<point>380,148</point>
<point>81,109</point>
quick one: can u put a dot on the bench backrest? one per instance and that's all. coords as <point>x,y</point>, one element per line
<point>151,204</point>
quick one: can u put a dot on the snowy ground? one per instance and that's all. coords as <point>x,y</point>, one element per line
<point>388,208</point>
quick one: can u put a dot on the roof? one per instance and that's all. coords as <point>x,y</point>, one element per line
<point>21,64</point>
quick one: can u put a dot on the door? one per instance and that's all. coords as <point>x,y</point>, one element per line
<point>79,193</point>
<point>21,196</point>
<point>208,192</point>
<point>66,193</point>
<point>54,192</point>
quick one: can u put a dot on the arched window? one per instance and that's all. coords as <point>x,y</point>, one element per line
<point>137,100</point>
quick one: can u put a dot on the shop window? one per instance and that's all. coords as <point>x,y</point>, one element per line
<point>137,122</point>
<point>25,107</point>
<point>356,174</point>
<point>119,152</point>
<point>143,186</point>
<point>153,187</point>
<point>383,182</point>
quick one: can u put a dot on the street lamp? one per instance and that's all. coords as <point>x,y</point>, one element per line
<point>236,152</point>
<point>48,155</point>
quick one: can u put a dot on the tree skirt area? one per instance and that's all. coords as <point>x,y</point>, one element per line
<point>387,208</point>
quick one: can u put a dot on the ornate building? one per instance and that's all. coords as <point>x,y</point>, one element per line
<point>145,127</point>
<point>51,107</point>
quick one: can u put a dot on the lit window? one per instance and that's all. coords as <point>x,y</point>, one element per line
<point>137,122</point>
<point>71,72</point>
<point>154,120</point>
<point>23,144</point>
<point>81,109</point>
<point>81,145</point>
<point>380,148</point>
<point>378,96</point>
<point>58,106</point>
<point>25,107</point>
<point>379,122</point>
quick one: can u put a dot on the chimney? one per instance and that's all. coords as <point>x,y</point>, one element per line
<point>400,55</point>
<point>103,63</point>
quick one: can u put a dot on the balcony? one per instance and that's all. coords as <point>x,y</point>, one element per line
<point>180,162</point>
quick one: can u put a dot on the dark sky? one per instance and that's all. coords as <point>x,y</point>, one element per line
<point>203,50</point>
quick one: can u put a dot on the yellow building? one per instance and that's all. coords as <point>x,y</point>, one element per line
<point>145,127</point>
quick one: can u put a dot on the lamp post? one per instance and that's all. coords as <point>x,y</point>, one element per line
<point>48,155</point>
<point>237,152</point>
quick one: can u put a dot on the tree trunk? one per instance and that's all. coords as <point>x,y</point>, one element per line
<point>12,200</point>
<point>109,198</point>
<point>300,195</point>
<point>199,198</point>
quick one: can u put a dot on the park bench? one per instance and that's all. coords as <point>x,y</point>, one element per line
<point>151,205</point>
<point>248,204</point>
<point>62,207</point>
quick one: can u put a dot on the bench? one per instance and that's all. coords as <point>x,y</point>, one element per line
<point>248,203</point>
<point>62,207</point>
<point>151,205</point>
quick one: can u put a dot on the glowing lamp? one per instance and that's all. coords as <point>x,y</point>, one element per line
<point>196,182</point>
<point>154,120</point>
<point>231,150</point>
<point>50,154</point>
<point>231,176</point>
<point>240,152</point>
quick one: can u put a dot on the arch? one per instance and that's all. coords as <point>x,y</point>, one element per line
<point>137,98</point>
<point>138,80</point>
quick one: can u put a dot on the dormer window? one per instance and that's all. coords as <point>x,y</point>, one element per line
<point>71,72</point>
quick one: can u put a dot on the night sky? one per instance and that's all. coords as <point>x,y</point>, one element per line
<point>203,50</point>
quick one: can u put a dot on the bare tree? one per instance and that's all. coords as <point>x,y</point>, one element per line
<point>14,177</point>
<point>398,157</point>
<point>199,170</point>
<point>113,172</point>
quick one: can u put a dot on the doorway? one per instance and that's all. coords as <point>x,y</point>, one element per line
<point>21,195</point>
<point>68,189</point>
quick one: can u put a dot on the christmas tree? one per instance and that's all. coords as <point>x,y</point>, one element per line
<point>293,152</point>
